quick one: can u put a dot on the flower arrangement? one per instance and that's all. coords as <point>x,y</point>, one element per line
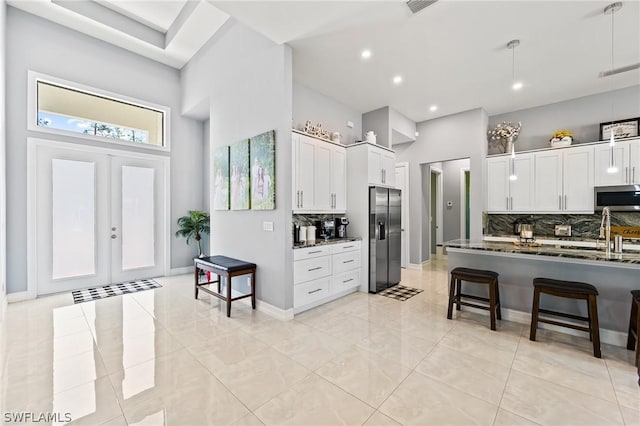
<point>561,134</point>
<point>505,130</point>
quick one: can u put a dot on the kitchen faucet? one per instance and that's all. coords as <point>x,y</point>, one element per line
<point>605,229</point>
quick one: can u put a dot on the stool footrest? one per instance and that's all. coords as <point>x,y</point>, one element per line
<point>470,296</point>
<point>565,324</point>
<point>474,305</point>
<point>562,314</point>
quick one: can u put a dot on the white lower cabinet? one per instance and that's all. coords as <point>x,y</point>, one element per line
<point>324,273</point>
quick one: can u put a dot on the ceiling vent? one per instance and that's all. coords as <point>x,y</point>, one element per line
<point>417,5</point>
<point>619,70</point>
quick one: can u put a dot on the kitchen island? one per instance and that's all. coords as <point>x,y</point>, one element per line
<point>615,275</point>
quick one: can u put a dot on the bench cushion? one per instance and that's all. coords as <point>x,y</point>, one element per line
<point>565,286</point>
<point>225,263</point>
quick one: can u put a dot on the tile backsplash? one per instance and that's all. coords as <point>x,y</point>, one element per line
<point>582,225</point>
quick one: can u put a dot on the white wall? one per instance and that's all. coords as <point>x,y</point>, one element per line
<point>378,122</point>
<point>451,188</point>
<point>452,137</point>
<point>246,81</point>
<point>309,104</point>
<point>42,46</point>
<point>581,115</point>
<point>3,204</point>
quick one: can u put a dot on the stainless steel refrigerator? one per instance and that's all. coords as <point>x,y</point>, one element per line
<point>384,238</point>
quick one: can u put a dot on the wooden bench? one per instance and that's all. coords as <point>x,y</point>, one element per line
<point>228,268</point>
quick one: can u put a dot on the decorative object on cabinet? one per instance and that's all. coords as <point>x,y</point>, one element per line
<point>370,136</point>
<point>317,131</point>
<point>561,138</point>
<point>239,168</point>
<point>262,150</point>
<point>505,133</point>
<point>620,129</point>
<point>221,179</point>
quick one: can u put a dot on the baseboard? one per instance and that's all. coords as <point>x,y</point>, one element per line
<point>180,271</point>
<point>3,306</point>
<point>269,309</point>
<point>610,337</point>
<point>418,266</point>
<point>19,296</point>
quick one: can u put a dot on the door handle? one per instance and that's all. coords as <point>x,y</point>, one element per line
<point>113,236</point>
<point>314,291</point>
<point>113,228</point>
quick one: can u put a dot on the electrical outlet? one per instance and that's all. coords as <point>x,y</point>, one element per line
<point>267,226</point>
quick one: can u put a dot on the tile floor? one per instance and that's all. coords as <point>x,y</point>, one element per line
<point>160,357</point>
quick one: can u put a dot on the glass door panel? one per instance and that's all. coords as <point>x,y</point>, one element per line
<point>138,218</point>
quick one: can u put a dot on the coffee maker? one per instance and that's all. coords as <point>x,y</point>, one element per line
<point>328,229</point>
<point>341,226</point>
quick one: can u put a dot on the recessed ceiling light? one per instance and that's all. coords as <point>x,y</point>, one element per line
<point>517,85</point>
<point>433,108</point>
<point>397,79</point>
<point>366,54</point>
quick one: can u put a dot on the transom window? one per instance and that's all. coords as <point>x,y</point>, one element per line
<point>62,108</point>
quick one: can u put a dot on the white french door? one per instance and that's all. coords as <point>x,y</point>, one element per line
<point>99,218</point>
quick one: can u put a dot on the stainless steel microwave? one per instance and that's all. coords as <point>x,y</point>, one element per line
<point>617,198</point>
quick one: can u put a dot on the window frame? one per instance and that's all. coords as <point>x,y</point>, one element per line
<point>32,112</point>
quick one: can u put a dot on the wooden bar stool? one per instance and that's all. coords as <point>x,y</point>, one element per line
<point>477,276</point>
<point>634,326</point>
<point>570,290</point>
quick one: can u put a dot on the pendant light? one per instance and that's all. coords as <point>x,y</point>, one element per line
<point>612,9</point>
<point>513,175</point>
<point>515,85</point>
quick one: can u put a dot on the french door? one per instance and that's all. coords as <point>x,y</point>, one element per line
<point>99,218</point>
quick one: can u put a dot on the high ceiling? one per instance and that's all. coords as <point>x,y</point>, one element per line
<point>452,54</point>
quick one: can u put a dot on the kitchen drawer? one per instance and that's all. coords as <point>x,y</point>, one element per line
<point>311,269</point>
<point>345,281</point>
<point>311,252</point>
<point>344,247</point>
<point>344,262</point>
<point>312,291</point>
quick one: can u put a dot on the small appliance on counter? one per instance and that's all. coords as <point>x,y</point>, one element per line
<point>341,227</point>
<point>328,229</point>
<point>296,234</point>
<point>562,231</point>
<point>302,236</point>
<point>311,234</point>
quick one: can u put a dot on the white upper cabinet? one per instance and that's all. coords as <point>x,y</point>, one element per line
<point>578,180</point>
<point>634,161</point>
<point>319,176</point>
<point>548,181</point>
<point>504,194</point>
<point>339,178</point>
<point>381,166</point>
<point>626,159</point>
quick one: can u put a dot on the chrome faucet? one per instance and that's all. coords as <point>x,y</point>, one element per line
<point>605,229</point>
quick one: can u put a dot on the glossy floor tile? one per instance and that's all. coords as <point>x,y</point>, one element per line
<point>160,357</point>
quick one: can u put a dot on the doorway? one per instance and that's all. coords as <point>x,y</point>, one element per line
<point>465,196</point>
<point>402,183</point>
<point>98,216</point>
<point>435,208</point>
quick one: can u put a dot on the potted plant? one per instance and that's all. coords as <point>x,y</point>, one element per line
<point>193,226</point>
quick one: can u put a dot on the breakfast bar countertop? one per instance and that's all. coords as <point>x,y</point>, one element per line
<point>551,250</point>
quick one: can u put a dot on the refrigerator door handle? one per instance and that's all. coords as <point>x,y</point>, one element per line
<point>382,235</point>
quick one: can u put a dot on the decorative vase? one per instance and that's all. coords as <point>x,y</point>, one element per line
<point>508,145</point>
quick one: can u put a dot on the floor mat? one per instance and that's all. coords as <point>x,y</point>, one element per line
<point>400,292</point>
<point>96,293</point>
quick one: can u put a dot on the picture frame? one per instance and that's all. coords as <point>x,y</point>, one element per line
<point>221,188</point>
<point>262,149</point>
<point>622,129</point>
<point>239,179</point>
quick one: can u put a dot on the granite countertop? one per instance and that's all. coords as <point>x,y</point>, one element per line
<point>547,250</point>
<point>322,242</point>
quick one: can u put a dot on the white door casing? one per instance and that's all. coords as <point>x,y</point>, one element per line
<point>92,177</point>
<point>402,183</point>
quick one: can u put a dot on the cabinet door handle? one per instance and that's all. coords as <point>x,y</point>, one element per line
<point>633,174</point>
<point>511,203</point>
<point>314,291</point>
<point>301,198</point>
<point>348,261</point>
<point>507,203</point>
<point>315,269</point>
<point>314,252</point>
<point>346,281</point>
<point>626,175</point>
<point>346,247</point>
<point>565,202</point>
<point>559,202</point>
<point>298,199</point>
